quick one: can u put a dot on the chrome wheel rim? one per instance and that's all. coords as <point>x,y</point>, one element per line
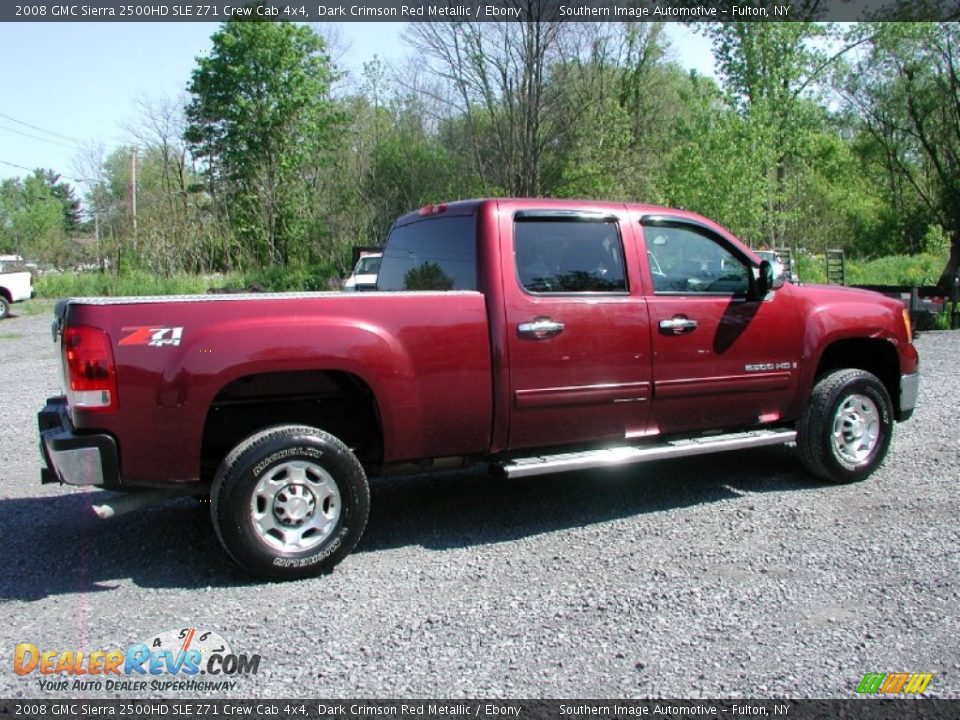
<point>856,429</point>
<point>295,506</point>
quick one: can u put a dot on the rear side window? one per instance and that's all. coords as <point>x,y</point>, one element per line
<point>565,255</point>
<point>433,254</point>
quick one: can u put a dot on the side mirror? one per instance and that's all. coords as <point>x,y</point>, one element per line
<point>767,279</point>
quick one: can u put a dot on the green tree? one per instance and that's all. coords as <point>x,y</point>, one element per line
<point>32,219</point>
<point>65,194</point>
<point>906,91</point>
<point>714,165</point>
<point>498,74</point>
<point>259,118</point>
<point>619,100</point>
<point>407,173</point>
<point>9,204</point>
<point>767,69</point>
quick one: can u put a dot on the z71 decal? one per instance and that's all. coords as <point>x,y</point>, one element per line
<point>152,336</point>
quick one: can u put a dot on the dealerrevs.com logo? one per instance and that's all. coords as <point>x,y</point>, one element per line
<point>185,659</point>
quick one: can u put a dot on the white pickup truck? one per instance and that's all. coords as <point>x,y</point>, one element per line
<point>15,285</point>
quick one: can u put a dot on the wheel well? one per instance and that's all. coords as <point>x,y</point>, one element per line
<point>6,294</point>
<point>338,402</point>
<point>877,357</point>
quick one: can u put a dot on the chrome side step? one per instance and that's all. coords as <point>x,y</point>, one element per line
<point>627,454</point>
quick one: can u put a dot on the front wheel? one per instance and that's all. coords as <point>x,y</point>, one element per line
<point>290,502</point>
<point>846,429</point>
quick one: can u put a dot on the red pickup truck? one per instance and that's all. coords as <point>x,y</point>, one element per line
<point>535,335</point>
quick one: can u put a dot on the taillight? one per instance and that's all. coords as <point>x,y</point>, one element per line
<point>90,374</point>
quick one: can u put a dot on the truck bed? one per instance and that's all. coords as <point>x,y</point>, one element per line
<point>175,355</point>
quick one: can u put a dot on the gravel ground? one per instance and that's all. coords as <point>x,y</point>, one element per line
<point>731,576</point>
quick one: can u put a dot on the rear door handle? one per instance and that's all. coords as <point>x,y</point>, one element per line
<point>678,325</point>
<point>541,328</point>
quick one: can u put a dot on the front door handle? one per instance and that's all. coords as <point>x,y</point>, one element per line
<point>678,325</point>
<point>541,328</point>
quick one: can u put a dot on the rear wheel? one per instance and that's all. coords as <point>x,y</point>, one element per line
<point>290,502</point>
<point>4,308</point>
<point>845,431</point>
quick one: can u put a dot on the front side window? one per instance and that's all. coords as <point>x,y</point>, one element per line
<point>687,262</point>
<point>565,255</point>
<point>432,254</point>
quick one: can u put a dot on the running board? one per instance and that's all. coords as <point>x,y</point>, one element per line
<point>628,454</point>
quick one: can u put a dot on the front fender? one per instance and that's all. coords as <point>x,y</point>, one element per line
<point>857,315</point>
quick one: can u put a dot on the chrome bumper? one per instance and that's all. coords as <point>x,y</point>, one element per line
<point>909,388</point>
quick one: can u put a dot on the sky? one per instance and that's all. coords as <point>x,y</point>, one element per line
<point>68,85</point>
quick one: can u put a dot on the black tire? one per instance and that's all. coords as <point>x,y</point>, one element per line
<point>256,515</point>
<point>845,431</point>
<point>4,308</point>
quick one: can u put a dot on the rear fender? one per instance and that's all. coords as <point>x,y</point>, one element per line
<point>193,377</point>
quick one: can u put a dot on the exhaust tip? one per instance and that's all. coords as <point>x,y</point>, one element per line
<point>122,503</point>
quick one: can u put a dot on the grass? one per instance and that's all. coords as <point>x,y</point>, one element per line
<point>10,336</point>
<point>811,268</point>
<point>912,270</point>
<point>37,306</point>
<point>941,321</point>
<point>138,283</point>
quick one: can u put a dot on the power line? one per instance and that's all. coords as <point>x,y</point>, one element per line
<point>48,132</point>
<point>41,139</point>
<point>20,167</point>
<point>59,175</point>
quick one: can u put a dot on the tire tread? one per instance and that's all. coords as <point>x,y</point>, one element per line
<point>221,479</point>
<point>817,418</point>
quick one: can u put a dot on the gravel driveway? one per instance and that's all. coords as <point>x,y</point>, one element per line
<point>734,575</point>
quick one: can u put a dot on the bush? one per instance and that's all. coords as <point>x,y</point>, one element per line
<point>923,269</point>
<point>134,283</point>
<point>139,283</point>
<point>811,268</point>
<point>291,278</point>
<point>72,284</point>
<point>913,270</point>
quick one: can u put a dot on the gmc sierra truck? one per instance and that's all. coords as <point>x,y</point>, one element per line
<point>537,336</point>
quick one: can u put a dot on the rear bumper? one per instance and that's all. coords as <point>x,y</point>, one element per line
<point>72,458</point>
<point>909,389</point>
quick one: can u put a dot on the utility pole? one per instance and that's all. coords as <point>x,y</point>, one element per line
<point>96,232</point>
<point>133,192</point>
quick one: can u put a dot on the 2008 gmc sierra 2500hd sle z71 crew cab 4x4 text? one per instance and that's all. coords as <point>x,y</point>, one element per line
<point>535,335</point>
